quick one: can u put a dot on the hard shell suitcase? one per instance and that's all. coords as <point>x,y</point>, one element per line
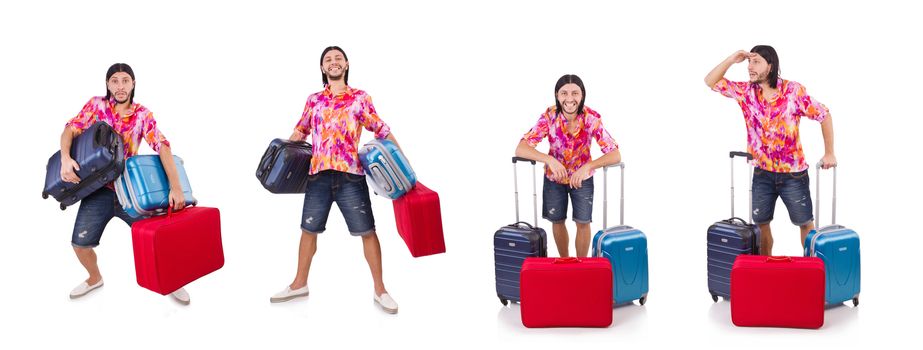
<point>419,221</point>
<point>144,189</point>
<point>99,153</point>
<point>516,242</point>
<point>175,249</point>
<point>838,247</point>
<point>777,292</point>
<point>728,239</point>
<point>284,166</point>
<point>389,171</point>
<point>625,247</point>
<point>566,292</point>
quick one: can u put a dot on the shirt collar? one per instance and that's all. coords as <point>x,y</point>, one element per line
<point>328,92</point>
<point>133,107</point>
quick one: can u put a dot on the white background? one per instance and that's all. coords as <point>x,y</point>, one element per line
<point>459,84</point>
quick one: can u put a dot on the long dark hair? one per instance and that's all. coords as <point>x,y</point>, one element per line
<point>569,79</point>
<point>345,75</point>
<point>121,67</point>
<point>769,54</point>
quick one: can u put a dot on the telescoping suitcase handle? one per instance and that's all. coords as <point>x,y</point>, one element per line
<point>750,198</point>
<point>621,166</point>
<point>817,201</point>
<point>534,188</point>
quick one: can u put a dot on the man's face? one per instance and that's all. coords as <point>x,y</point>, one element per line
<point>334,65</point>
<point>758,68</point>
<point>569,96</point>
<point>120,86</point>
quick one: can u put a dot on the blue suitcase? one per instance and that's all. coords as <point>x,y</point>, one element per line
<point>729,238</point>
<point>388,170</point>
<point>144,190</point>
<point>284,166</point>
<point>98,151</point>
<point>514,243</point>
<point>626,249</point>
<point>838,247</point>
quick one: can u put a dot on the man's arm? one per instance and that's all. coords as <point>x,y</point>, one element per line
<point>826,127</point>
<point>525,150</point>
<point>721,69</point>
<point>69,166</point>
<point>613,157</point>
<point>177,199</point>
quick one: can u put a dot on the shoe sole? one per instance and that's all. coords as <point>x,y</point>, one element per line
<point>385,309</point>
<point>275,300</point>
<point>76,296</point>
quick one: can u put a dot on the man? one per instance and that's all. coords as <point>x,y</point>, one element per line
<point>773,108</point>
<point>133,122</point>
<point>569,127</point>
<point>334,119</point>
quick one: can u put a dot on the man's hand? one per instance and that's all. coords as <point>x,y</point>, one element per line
<point>558,171</point>
<point>828,161</point>
<point>576,180</point>
<point>69,167</point>
<point>740,56</point>
<point>177,200</point>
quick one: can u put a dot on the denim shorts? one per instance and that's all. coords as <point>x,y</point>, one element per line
<point>794,188</point>
<point>94,214</point>
<point>351,194</point>
<point>554,201</point>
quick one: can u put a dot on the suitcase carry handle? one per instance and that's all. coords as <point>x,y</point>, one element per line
<point>521,159</point>
<point>731,220</point>
<point>534,188</point>
<point>817,201</point>
<point>621,165</point>
<point>741,154</point>
<point>778,259</point>
<point>170,210</point>
<point>750,200</point>
<point>524,223</point>
<point>267,163</point>
<point>568,260</point>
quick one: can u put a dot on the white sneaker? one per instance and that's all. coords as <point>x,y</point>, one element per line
<point>85,288</point>
<point>289,294</point>
<point>181,296</point>
<point>387,304</point>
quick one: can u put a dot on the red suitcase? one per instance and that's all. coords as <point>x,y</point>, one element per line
<point>419,221</point>
<point>566,292</point>
<point>777,291</point>
<point>175,249</point>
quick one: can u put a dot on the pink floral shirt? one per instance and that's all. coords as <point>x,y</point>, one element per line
<point>571,149</point>
<point>772,125</point>
<point>335,124</point>
<point>140,124</point>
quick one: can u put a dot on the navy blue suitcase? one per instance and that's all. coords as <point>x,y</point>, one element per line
<point>284,166</point>
<point>98,151</point>
<point>729,238</point>
<point>838,247</point>
<point>514,243</point>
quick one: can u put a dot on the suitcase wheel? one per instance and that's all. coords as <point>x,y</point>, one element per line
<point>504,301</point>
<point>714,297</point>
<point>642,300</point>
<point>44,195</point>
<point>855,301</point>
<point>63,206</point>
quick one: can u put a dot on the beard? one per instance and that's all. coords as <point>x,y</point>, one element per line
<point>127,97</point>
<point>761,78</point>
